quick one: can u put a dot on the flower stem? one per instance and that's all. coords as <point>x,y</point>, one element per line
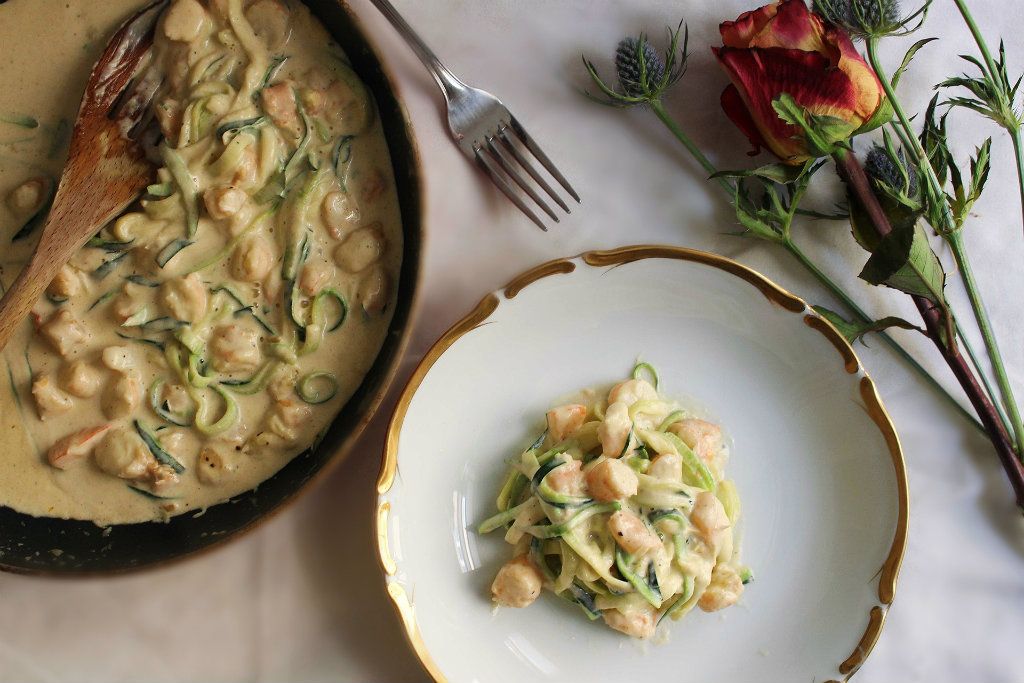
<point>1018,149</point>
<point>951,233</point>
<point>978,369</point>
<point>956,244</point>
<point>812,267</point>
<point>853,174</point>
<point>978,38</point>
<point>863,317</point>
<point>691,147</point>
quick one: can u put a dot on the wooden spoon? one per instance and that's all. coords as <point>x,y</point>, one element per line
<point>105,172</point>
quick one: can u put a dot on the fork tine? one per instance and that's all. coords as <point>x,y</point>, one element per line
<point>525,138</point>
<point>495,174</point>
<point>509,167</point>
<point>503,134</point>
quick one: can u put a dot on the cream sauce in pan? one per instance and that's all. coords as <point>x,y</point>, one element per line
<point>194,347</point>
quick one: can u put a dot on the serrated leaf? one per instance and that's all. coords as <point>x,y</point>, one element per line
<point>776,173</point>
<point>854,330</point>
<point>756,227</point>
<point>907,59</point>
<point>980,166</point>
<point>904,260</point>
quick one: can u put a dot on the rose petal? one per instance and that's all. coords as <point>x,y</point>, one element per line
<point>762,74</point>
<point>739,33</point>
<point>865,81</point>
<point>736,109</point>
<point>782,24</point>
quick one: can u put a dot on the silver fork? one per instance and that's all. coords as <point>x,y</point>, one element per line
<point>486,131</point>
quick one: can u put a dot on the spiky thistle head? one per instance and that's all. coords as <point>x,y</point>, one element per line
<point>870,18</point>
<point>892,177</point>
<point>638,65</point>
<point>643,74</point>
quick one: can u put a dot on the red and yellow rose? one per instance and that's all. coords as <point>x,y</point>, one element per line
<point>783,48</point>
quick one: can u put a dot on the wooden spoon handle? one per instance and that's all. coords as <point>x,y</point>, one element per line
<point>17,303</point>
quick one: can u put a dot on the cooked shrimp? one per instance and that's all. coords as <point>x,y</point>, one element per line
<point>65,333</point>
<point>314,277</point>
<point>235,348</point>
<point>214,465</point>
<point>339,213</point>
<point>630,532</point>
<point>568,478</point>
<point>74,447</point>
<point>123,454</point>
<point>611,479</point>
<point>374,290</point>
<point>639,622</point>
<point>709,518</point>
<point>517,584</point>
<point>270,22</point>
<point>667,466</point>
<point>279,103</point>
<point>66,284</point>
<point>631,391</point>
<point>614,430</point>
<point>224,202</point>
<point>703,437</point>
<point>725,589</point>
<point>123,395</point>
<point>186,297</point>
<point>26,198</point>
<point>253,259</point>
<point>564,420</point>
<point>361,249</point>
<point>184,20</point>
<point>80,379</point>
<point>50,400</point>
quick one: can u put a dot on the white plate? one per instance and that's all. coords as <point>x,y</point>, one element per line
<point>815,458</point>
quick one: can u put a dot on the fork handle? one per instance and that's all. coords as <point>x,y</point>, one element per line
<point>446,80</point>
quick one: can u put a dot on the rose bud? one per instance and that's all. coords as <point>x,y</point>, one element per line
<point>783,48</point>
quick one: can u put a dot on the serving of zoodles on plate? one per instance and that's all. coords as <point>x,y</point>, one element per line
<point>621,507</point>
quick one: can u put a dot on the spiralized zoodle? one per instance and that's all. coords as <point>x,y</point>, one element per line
<point>221,322</point>
<point>620,507</point>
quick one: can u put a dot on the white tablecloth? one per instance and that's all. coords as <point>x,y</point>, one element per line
<point>301,599</point>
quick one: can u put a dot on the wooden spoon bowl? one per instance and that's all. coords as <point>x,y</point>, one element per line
<point>105,172</point>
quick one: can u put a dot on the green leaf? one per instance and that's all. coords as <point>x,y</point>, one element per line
<point>907,59</point>
<point>756,227</point>
<point>904,260</point>
<point>964,198</point>
<point>776,173</point>
<point>883,115</point>
<point>980,165</point>
<point>823,134</point>
<point>854,330</point>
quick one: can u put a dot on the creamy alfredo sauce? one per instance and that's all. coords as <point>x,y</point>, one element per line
<point>211,333</point>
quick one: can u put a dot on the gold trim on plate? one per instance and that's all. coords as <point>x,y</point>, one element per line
<point>887,575</point>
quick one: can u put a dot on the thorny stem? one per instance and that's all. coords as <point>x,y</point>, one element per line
<point>837,291</point>
<point>978,369</point>
<point>852,172</point>
<point>950,233</point>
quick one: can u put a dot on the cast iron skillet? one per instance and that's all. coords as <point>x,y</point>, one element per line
<point>27,543</point>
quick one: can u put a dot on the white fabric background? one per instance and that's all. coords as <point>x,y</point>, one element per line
<point>301,599</point>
